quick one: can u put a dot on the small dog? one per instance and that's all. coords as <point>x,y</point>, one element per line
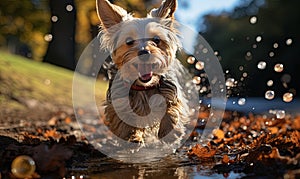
<point>144,65</point>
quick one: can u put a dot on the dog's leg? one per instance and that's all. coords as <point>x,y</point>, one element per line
<point>170,130</point>
<point>116,125</point>
<point>167,124</point>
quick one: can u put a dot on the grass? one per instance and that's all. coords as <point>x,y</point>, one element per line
<point>22,79</point>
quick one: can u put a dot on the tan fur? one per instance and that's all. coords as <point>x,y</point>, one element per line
<point>117,25</point>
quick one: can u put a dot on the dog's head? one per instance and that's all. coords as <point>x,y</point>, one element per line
<point>140,47</point>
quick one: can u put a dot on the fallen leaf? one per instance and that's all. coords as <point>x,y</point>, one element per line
<point>202,152</point>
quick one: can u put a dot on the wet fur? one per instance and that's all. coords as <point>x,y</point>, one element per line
<point>117,25</point>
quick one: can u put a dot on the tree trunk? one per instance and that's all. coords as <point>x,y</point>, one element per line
<point>61,49</point>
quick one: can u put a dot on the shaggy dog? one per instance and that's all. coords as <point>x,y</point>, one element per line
<point>145,101</point>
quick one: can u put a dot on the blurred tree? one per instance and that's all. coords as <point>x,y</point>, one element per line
<point>23,25</point>
<point>258,31</point>
<point>61,49</point>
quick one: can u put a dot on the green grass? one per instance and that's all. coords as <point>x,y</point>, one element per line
<point>23,79</point>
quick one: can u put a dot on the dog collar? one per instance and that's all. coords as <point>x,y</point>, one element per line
<point>141,88</point>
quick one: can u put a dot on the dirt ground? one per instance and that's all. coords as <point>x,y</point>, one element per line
<point>256,145</point>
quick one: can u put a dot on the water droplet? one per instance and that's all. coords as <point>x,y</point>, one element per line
<point>269,94</point>
<point>205,50</point>
<point>254,46</point>
<point>241,68</point>
<point>54,18</point>
<point>47,82</point>
<point>270,83</point>
<point>23,166</point>
<point>227,71</point>
<point>248,56</point>
<point>271,54</point>
<point>191,60</point>
<point>253,20</point>
<point>261,65</point>
<point>289,42</point>
<point>230,82</point>
<point>245,74</point>
<point>278,67</point>
<point>199,65</point>
<point>48,37</point>
<point>258,38</point>
<point>280,114</point>
<point>216,53</point>
<point>196,80</point>
<point>287,97</point>
<point>241,101</point>
<point>286,78</point>
<point>275,45</point>
<point>69,7</point>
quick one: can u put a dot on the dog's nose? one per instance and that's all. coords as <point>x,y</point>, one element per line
<point>144,54</point>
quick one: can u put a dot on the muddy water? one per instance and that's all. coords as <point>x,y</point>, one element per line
<point>171,167</point>
<point>174,166</point>
<point>178,165</point>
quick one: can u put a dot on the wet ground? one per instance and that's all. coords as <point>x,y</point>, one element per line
<point>246,146</point>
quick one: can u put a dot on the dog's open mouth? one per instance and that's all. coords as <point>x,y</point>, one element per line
<point>145,72</point>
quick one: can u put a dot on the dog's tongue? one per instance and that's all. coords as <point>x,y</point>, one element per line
<point>145,72</point>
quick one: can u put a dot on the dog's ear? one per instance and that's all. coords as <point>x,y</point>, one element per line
<point>109,14</point>
<point>166,9</point>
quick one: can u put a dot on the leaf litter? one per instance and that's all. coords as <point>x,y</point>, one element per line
<point>249,144</point>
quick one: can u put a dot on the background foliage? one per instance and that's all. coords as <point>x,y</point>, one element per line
<point>235,38</point>
<point>24,26</point>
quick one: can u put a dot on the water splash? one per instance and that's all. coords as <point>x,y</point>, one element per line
<point>191,60</point>
<point>54,18</point>
<point>242,101</point>
<point>253,20</point>
<point>197,80</point>
<point>261,65</point>
<point>278,67</point>
<point>270,83</point>
<point>258,38</point>
<point>230,82</point>
<point>269,94</point>
<point>289,41</point>
<point>287,97</point>
<point>199,65</point>
<point>69,7</point>
<point>48,37</point>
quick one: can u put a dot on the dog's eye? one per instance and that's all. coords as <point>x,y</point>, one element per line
<point>156,39</point>
<point>129,41</point>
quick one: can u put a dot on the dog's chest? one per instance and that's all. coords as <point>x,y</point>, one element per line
<point>141,101</point>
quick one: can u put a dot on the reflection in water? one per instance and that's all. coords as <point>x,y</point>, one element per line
<point>175,166</point>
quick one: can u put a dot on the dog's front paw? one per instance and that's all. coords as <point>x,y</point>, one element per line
<point>168,131</point>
